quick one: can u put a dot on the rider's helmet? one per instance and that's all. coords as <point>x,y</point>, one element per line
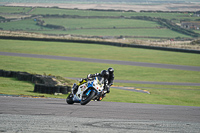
<point>110,70</point>
<point>105,74</point>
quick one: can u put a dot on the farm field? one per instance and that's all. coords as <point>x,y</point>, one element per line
<point>59,11</point>
<point>58,21</point>
<point>95,27</point>
<point>24,25</point>
<point>170,16</point>
<point>100,23</point>
<point>165,33</point>
<point>14,9</point>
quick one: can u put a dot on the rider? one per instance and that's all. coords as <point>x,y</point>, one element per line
<point>108,76</point>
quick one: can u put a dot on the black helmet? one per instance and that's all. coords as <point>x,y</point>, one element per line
<point>110,70</point>
<point>104,73</point>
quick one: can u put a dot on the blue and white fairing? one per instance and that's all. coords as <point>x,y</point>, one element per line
<point>90,85</point>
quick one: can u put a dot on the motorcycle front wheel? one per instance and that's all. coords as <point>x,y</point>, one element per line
<point>69,99</point>
<point>88,98</point>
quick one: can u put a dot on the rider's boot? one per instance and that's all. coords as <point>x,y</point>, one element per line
<point>108,89</point>
<point>75,89</point>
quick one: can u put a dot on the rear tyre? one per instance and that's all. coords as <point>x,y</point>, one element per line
<point>69,99</point>
<point>88,98</point>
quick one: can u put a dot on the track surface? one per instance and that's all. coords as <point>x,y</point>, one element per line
<point>19,114</point>
<point>156,65</point>
<point>168,66</point>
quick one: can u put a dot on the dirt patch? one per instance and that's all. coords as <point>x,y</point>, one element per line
<point>162,7</point>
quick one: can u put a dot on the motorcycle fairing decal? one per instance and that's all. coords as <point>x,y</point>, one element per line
<point>90,84</point>
<point>88,92</point>
<point>84,81</point>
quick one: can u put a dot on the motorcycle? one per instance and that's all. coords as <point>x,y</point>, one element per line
<point>88,89</point>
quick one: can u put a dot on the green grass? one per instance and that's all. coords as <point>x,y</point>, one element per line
<point>81,69</point>
<point>5,9</point>
<point>51,11</point>
<point>28,24</point>
<point>197,31</point>
<point>157,96</point>
<point>99,52</point>
<point>99,23</point>
<point>128,32</point>
<point>176,95</point>
<point>160,94</point>
<point>157,86</point>
<point>191,97</point>
<point>73,26</point>
<point>12,86</point>
<point>161,33</point>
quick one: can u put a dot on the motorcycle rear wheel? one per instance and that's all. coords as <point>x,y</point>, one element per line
<point>88,99</point>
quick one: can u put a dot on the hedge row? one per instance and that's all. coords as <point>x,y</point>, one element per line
<point>43,84</point>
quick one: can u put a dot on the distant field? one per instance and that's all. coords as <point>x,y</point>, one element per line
<point>23,25</point>
<point>14,9</point>
<point>51,11</point>
<point>118,32</point>
<point>76,26</point>
<point>92,26</point>
<point>127,32</point>
<point>198,31</point>
<point>112,27</point>
<point>100,23</point>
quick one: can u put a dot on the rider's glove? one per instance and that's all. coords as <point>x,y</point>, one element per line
<point>89,76</point>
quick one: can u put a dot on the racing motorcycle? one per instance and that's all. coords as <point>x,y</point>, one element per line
<point>88,89</point>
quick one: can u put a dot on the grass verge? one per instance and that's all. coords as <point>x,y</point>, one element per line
<point>157,96</point>
<point>99,52</point>
<point>81,69</point>
<point>13,86</point>
<point>181,97</point>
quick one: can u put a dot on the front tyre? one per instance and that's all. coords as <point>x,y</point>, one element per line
<point>69,99</point>
<point>88,98</point>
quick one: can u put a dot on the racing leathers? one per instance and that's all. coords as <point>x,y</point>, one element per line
<point>106,75</point>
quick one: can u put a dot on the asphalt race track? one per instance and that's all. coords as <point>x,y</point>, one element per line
<point>38,115</point>
<point>143,64</point>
